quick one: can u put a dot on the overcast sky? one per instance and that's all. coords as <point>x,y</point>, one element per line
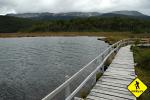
<point>55,6</point>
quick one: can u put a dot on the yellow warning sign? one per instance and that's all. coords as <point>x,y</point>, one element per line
<point>137,87</point>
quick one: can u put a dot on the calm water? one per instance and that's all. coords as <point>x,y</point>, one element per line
<point>30,68</point>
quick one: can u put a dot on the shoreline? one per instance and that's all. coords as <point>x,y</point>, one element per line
<point>110,37</point>
<point>44,34</point>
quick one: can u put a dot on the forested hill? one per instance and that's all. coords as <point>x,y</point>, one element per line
<point>120,23</point>
<point>13,24</point>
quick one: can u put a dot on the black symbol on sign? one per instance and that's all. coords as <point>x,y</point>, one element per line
<point>137,85</point>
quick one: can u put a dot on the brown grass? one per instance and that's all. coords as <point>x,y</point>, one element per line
<point>111,37</point>
<point>117,35</point>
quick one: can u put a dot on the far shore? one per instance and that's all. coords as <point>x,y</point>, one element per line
<point>111,36</point>
<point>44,34</point>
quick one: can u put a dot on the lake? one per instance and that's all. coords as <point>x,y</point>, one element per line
<point>32,67</point>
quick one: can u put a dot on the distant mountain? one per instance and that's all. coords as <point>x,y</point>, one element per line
<point>31,15</point>
<point>71,15</point>
<point>128,13</point>
<point>80,14</point>
<point>109,15</point>
<point>68,15</point>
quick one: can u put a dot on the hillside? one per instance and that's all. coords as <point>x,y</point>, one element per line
<point>128,13</point>
<point>93,24</point>
<point>121,24</point>
<point>72,15</point>
<point>13,24</point>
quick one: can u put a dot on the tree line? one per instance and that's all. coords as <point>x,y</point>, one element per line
<point>94,24</point>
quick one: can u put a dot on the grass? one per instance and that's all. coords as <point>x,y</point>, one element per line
<point>144,75</point>
<point>109,60</point>
<point>143,68</point>
<point>142,57</point>
<point>98,75</point>
<point>111,37</point>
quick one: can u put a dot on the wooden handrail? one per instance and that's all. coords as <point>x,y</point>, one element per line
<point>105,55</point>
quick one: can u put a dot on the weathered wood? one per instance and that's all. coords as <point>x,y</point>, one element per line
<point>101,96</point>
<point>112,87</point>
<point>111,81</point>
<point>119,78</point>
<point>121,73</point>
<point>121,69</point>
<point>122,77</point>
<point>96,98</point>
<point>113,94</point>
<point>121,66</point>
<point>113,90</point>
<point>113,84</point>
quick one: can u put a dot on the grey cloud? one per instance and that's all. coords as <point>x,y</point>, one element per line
<point>23,6</point>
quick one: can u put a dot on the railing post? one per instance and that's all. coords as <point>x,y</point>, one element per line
<point>102,57</point>
<point>96,62</point>
<point>118,47</point>
<point>102,69</point>
<point>67,89</point>
<point>94,80</point>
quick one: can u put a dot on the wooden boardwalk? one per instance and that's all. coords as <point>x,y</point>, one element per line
<point>113,84</point>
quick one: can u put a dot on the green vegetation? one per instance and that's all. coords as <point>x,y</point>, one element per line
<point>98,75</point>
<point>109,60</point>
<point>93,24</point>
<point>12,24</point>
<point>83,94</point>
<point>142,58</point>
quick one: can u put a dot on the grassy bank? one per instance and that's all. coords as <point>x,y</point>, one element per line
<point>117,35</point>
<point>111,36</point>
<point>142,58</point>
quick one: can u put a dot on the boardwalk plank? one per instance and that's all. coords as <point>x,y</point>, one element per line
<point>113,84</point>
<point>112,87</point>
<point>91,97</point>
<point>121,76</point>
<point>105,96</point>
<point>121,69</point>
<point>113,90</point>
<point>113,94</point>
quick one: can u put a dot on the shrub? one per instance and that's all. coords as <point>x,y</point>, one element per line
<point>142,57</point>
<point>144,60</point>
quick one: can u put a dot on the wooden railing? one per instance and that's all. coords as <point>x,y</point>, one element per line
<point>85,78</point>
